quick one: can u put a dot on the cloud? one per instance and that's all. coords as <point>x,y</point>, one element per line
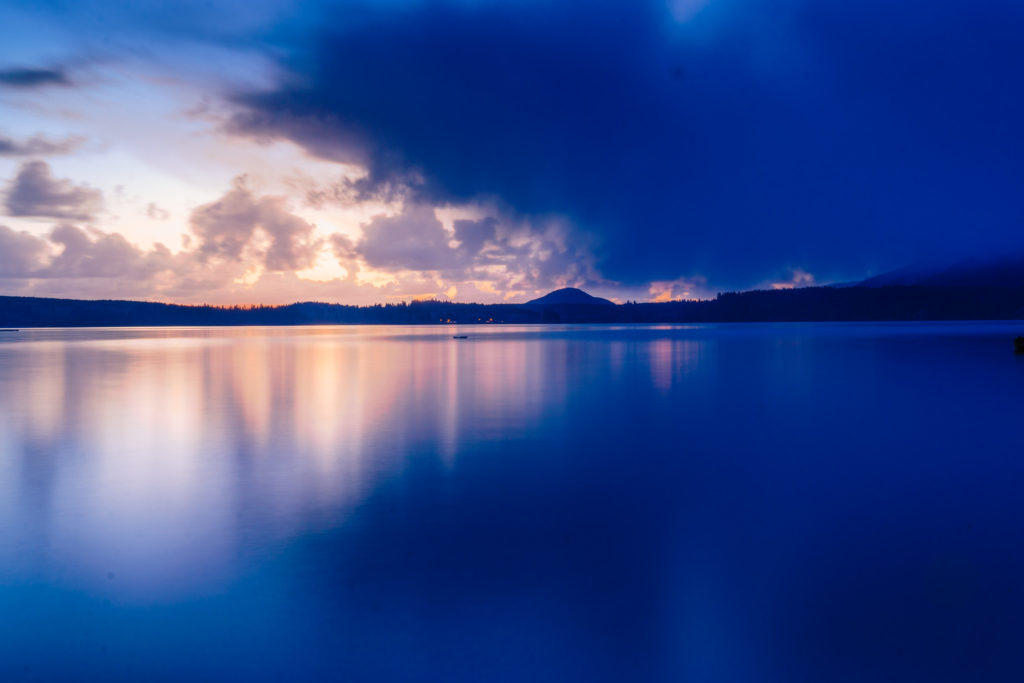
<point>87,263</point>
<point>35,192</point>
<point>797,278</point>
<point>414,240</point>
<point>671,138</point>
<point>352,191</point>
<point>157,213</point>
<point>240,222</point>
<point>675,290</point>
<point>473,236</point>
<point>39,146</point>
<point>97,254</point>
<point>506,254</point>
<point>249,248</point>
<point>21,253</point>
<point>343,247</point>
<point>344,250</point>
<point>29,77</point>
<point>84,263</point>
<point>225,227</point>
<point>722,138</point>
<point>293,244</point>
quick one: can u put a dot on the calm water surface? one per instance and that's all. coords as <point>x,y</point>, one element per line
<point>704,503</point>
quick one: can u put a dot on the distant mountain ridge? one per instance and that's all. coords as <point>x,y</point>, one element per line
<point>568,296</point>
<point>1001,271</point>
<point>969,290</point>
<point>808,304</point>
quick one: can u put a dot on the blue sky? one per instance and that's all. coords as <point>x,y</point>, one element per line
<point>491,150</point>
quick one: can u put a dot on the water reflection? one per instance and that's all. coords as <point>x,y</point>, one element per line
<point>159,458</point>
<point>581,503</point>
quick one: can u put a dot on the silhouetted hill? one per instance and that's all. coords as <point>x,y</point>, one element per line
<point>569,296</point>
<point>1003,271</point>
<point>811,304</point>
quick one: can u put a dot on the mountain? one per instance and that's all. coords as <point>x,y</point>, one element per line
<point>808,304</point>
<point>1002,271</point>
<point>568,296</point>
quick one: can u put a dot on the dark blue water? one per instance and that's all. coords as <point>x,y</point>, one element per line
<point>720,503</point>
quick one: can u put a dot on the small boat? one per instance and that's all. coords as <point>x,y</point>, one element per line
<point>6,330</point>
<point>460,336</point>
<point>1018,344</point>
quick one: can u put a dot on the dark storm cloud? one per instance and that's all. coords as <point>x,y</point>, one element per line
<point>35,192</point>
<point>833,135</point>
<point>474,235</point>
<point>32,77</point>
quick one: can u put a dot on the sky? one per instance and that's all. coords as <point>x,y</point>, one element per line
<point>492,150</point>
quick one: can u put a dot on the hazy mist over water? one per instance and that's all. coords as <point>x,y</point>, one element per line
<point>539,503</point>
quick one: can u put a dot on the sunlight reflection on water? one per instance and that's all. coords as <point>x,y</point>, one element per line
<point>746,502</point>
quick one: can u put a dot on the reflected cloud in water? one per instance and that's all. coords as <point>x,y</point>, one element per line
<point>163,456</point>
<point>746,502</point>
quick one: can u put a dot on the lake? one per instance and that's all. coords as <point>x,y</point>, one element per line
<point>786,503</point>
